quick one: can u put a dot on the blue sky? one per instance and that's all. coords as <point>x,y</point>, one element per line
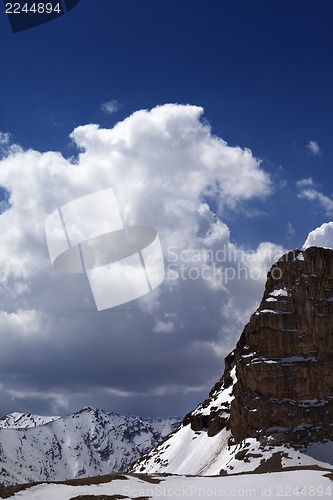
<point>262,72</point>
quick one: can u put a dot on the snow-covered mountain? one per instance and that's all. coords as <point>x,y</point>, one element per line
<point>273,406</point>
<point>87,443</point>
<point>18,420</point>
<point>196,450</point>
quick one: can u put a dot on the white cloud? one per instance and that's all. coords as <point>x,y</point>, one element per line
<point>325,202</point>
<point>111,106</point>
<point>305,182</point>
<point>322,236</point>
<point>309,191</point>
<point>313,148</point>
<point>161,165</point>
<point>23,322</point>
<point>4,138</point>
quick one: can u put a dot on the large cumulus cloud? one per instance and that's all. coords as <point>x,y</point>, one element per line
<point>322,236</point>
<point>158,354</point>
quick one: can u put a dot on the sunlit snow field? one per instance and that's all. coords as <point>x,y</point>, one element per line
<point>290,484</point>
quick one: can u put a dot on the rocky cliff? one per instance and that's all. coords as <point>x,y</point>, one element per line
<point>277,386</point>
<point>283,360</point>
<point>284,357</point>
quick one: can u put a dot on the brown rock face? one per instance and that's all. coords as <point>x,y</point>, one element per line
<point>284,358</point>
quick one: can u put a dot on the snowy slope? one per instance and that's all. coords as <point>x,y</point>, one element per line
<point>87,443</point>
<point>195,453</point>
<point>292,484</point>
<point>24,420</point>
<point>193,450</point>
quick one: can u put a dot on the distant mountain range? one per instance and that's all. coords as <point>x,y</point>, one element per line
<point>87,443</point>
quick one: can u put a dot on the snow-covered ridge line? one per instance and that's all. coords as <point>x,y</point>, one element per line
<point>18,420</point>
<point>90,442</point>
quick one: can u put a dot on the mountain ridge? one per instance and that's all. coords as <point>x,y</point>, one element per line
<point>17,420</point>
<point>89,442</point>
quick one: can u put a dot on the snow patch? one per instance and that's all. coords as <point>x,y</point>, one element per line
<point>281,292</point>
<point>272,311</point>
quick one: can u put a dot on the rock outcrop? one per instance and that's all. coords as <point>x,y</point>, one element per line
<point>273,406</point>
<point>283,361</point>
